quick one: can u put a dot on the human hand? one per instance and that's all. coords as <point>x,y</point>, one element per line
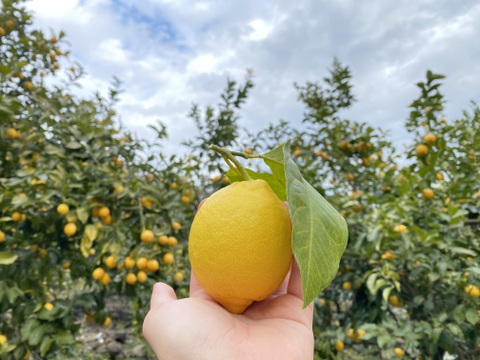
<point>199,328</point>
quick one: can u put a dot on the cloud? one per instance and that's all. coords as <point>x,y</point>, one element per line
<point>170,53</point>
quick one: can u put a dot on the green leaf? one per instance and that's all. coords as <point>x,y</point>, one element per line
<point>269,178</point>
<point>13,293</point>
<point>45,346</point>
<point>275,160</point>
<point>319,232</point>
<point>88,238</point>
<point>82,214</point>
<point>462,251</point>
<point>7,259</point>
<point>63,338</point>
<point>73,145</point>
<point>471,316</point>
<point>36,335</point>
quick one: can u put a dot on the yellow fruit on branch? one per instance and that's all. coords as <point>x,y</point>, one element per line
<point>103,212</point>
<point>142,263</point>
<point>98,273</point>
<point>176,225</point>
<point>428,193</point>
<point>439,176</point>
<point>153,265</point>
<point>422,150</point>
<point>128,263</point>
<point>388,255</point>
<point>63,209</point>
<point>13,134</point>
<point>398,352</point>
<point>430,139</point>
<point>105,279</point>
<point>297,152</point>
<point>3,338</point>
<point>246,230</point>
<point>163,239</point>
<point>147,236</point>
<point>142,277</point>
<point>107,322</point>
<point>472,290</point>
<point>131,279</point>
<point>172,241</point>
<point>2,236</point>
<point>70,229</point>
<point>178,277</point>
<point>168,259</point>
<point>339,345</point>
<point>400,228</point>
<point>347,286</point>
<point>146,202</point>
<point>110,262</point>
<point>394,301</point>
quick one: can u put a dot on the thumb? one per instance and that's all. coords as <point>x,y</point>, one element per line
<point>161,294</point>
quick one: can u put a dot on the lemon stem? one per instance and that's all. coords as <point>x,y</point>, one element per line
<point>231,161</point>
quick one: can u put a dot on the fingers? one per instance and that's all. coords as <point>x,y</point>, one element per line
<point>161,294</point>
<point>295,282</point>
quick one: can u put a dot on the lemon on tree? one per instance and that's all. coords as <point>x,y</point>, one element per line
<point>240,242</point>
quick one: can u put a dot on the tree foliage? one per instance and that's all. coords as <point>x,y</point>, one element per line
<point>408,281</point>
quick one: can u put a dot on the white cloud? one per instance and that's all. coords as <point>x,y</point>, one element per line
<point>170,53</point>
<point>261,30</point>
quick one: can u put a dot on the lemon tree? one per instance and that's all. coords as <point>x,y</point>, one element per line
<point>407,283</point>
<point>82,201</point>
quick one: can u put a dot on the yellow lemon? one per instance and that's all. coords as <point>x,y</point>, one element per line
<point>129,263</point>
<point>147,236</point>
<point>339,345</point>
<point>472,290</point>
<point>70,229</point>
<point>398,352</point>
<point>3,339</point>
<point>422,150</point>
<point>428,193</point>
<point>240,244</point>
<point>131,278</point>
<point>176,225</point>
<point>103,212</point>
<point>178,277</point>
<point>63,209</point>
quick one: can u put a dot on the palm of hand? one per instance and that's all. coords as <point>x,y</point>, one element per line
<point>199,328</point>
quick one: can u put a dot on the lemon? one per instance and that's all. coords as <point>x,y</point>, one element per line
<point>103,212</point>
<point>131,278</point>
<point>398,352</point>
<point>147,236</point>
<point>48,306</point>
<point>70,229</point>
<point>339,345</point>
<point>168,259</point>
<point>63,209</point>
<point>107,322</point>
<point>129,263</point>
<point>172,241</point>
<point>240,244</point>
<point>3,339</point>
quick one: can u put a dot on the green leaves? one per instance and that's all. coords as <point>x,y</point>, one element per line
<point>7,259</point>
<point>320,233</point>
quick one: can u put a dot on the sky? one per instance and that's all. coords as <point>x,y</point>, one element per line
<point>172,53</point>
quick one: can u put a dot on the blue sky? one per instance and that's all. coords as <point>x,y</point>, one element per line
<point>170,53</point>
